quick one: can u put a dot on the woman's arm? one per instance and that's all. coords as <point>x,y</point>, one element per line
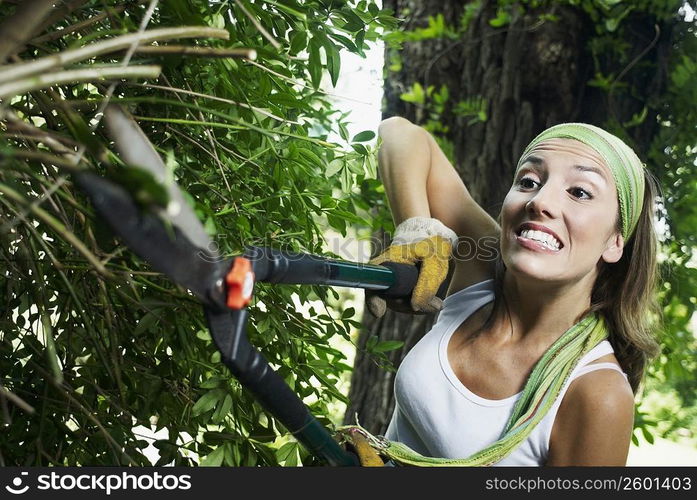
<point>594,423</point>
<point>420,181</point>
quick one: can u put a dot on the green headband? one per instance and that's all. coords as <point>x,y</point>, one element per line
<point>626,168</point>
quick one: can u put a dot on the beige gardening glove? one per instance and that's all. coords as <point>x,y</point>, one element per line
<point>367,456</point>
<point>418,239</point>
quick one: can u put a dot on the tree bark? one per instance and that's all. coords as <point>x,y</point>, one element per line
<point>531,75</point>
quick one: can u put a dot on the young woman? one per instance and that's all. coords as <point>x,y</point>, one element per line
<point>540,346</point>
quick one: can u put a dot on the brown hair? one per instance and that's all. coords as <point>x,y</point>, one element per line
<point>624,293</point>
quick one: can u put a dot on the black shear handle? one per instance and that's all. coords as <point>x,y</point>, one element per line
<point>228,329</point>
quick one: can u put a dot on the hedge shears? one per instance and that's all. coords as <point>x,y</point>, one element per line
<point>173,241</point>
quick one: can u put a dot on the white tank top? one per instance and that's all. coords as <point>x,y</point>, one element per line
<point>437,416</point>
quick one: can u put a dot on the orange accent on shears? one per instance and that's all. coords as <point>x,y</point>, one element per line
<point>240,283</point>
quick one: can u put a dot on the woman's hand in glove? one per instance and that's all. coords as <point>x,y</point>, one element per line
<point>418,240</point>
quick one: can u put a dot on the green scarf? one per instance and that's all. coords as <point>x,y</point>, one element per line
<point>552,371</point>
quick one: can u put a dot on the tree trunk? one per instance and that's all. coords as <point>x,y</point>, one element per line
<point>531,75</point>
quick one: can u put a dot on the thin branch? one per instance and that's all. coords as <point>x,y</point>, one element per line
<point>94,337</point>
<point>56,142</point>
<point>10,72</point>
<point>195,143</point>
<point>202,147</point>
<point>88,413</point>
<point>58,227</point>
<point>305,85</point>
<point>82,24</point>
<point>244,159</point>
<point>211,140</point>
<point>59,209</point>
<point>212,98</point>
<point>35,203</point>
<point>19,27</point>
<point>611,100</point>
<point>75,76</point>
<point>189,50</point>
<point>124,63</point>
<point>44,139</point>
<point>246,126</point>
<point>629,66</point>
<point>19,402</point>
<point>61,13</point>
<point>42,157</point>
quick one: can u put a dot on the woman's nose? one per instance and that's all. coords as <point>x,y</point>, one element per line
<point>542,203</point>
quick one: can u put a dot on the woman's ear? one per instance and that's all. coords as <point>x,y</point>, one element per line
<point>615,246</point>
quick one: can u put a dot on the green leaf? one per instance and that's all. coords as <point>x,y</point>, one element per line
<point>372,342</point>
<point>203,335</point>
<point>330,385</point>
<point>314,64</point>
<point>295,10</point>
<point>147,321</point>
<point>360,149</point>
<point>611,24</point>
<point>346,180</point>
<point>637,118</point>
<point>337,223</point>
<point>298,42</point>
<point>207,402</point>
<point>388,345</point>
<point>286,450</point>
<point>366,135</point>
<point>415,95</point>
<point>343,132</point>
<point>310,157</point>
<point>353,22</point>
<point>333,60</point>
<point>333,167</point>
<point>215,458</point>
<point>607,4</point>
<point>647,435</point>
<point>210,226</point>
<point>211,383</point>
<point>292,460</point>
<point>371,166</point>
<point>344,41</point>
<point>222,410</point>
<point>360,36</point>
<point>217,21</point>
<point>502,18</point>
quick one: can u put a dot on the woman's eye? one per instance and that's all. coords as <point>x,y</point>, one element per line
<point>527,183</point>
<point>581,193</point>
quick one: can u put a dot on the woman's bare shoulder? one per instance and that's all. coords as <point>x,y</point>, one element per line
<point>601,389</point>
<point>594,423</point>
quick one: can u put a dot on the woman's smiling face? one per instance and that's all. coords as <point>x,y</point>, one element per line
<point>559,218</point>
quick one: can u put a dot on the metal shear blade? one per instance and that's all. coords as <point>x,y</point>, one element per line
<point>174,244</point>
<point>135,149</point>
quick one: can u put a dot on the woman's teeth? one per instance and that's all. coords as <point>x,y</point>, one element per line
<point>545,238</point>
